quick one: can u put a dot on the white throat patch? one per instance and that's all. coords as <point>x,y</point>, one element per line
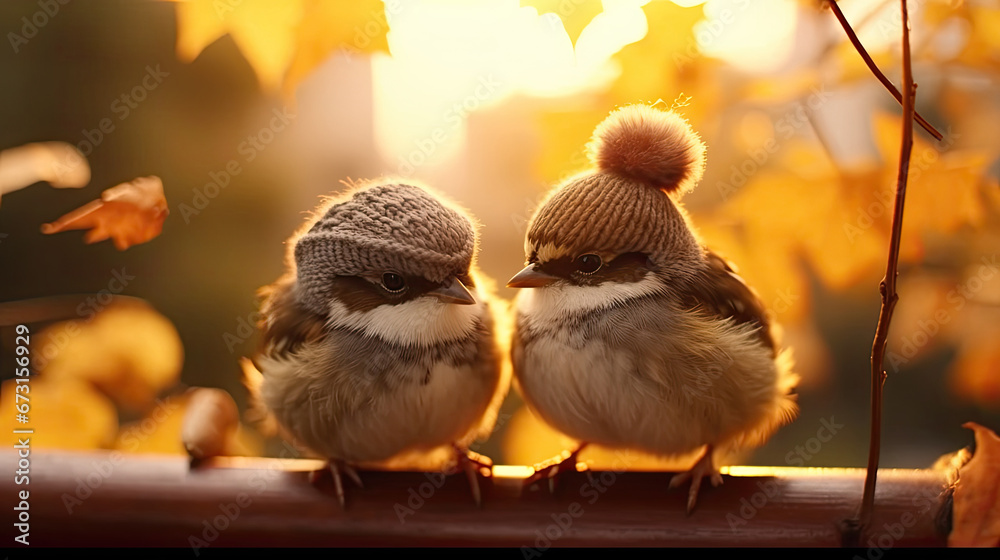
<point>424,321</point>
<point>559,301</point>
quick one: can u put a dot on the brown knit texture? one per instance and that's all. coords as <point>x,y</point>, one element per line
<point>399,228</point>
<point>606,213</point>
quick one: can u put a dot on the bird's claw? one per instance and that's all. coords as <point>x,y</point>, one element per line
<point>335,467</point>
<point>474,465</point>
<point>705,467</point>
<point>565,462</point>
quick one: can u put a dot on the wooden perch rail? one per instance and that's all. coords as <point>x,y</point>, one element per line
<point>111,499</point>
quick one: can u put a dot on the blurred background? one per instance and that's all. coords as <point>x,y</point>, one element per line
<point>250,110</point>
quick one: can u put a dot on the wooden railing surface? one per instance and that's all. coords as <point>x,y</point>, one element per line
<point>111,499</point>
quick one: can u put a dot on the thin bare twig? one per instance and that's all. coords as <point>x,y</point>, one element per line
<point>878,73</point>
<point>887,288</point>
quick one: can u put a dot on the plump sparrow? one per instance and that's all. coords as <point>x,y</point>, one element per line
<point>630,332</point>
<point>378,343</point>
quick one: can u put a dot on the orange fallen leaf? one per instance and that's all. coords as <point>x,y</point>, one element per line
<point>128,214</point>
<point>977,494</point>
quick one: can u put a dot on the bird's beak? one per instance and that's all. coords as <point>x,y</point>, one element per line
<point>453,291</point>
<point>531,277</point>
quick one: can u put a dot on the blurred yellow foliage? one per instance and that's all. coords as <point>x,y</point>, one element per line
<point>160,432</point>
<point>282,41</point>
<point>127,355</point>
<point>797,212</point>
<point>529,441</point>
<point>128,351</point>
<point>157,432</point>
<point>650,69</point>
<point>575,14</point>
<point>65,414</point>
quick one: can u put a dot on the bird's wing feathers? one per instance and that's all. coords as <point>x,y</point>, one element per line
<point>287,324</point>
<point>721,292</point>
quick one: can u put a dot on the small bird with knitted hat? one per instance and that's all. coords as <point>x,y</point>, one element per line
<point>629,332</point>
<point>379,345</point>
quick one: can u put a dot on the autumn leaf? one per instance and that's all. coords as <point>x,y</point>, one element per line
<point>65,414</point>
<point>666,63</point>
<point>282,41</point>
<point>159,431</point>
<point>943,188</point>
<point>977,494</point>
<point>263,30</point>
<point>128,351</point>
<point>356,26</point>
<point>128,214</point>
<point>575,15</point>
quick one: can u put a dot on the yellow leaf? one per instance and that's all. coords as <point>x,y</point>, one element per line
<point>158,432</point>
<point>575,14</point>
<point>665,61</point>
<point>198,26</point>
<point>64,414</point>
<point>942,193</point>
<point>758,235</point>
<point>357,26</point>
<point>129,351</point>
<point>264,31</point>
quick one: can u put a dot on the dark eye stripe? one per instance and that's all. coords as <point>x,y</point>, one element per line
<point>627,267</point>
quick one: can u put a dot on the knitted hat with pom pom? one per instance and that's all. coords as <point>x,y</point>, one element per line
<point>379,228</point>
<point>643,156</point>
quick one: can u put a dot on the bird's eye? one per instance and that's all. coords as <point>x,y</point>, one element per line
<point>393,282</point>
<point>589,263</point>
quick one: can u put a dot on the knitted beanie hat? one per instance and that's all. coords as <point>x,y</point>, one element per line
<point>643,156</point>
<point>388,227</point>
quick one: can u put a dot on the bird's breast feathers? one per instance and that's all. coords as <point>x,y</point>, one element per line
<point>364,392</point>
<point>636,374</point>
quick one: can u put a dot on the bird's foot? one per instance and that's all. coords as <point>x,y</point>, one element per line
<point>565,462</point>
<point>474,465</point>
<point>336,467</point>
<point>705,467</point>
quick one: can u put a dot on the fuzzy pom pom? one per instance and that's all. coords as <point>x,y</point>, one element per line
<point>649,146</point>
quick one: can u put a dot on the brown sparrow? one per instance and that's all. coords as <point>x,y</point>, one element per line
<point>632,333</point>
<point>378,344</point>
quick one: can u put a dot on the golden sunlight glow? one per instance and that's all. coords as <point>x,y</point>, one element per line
<point>752,36</point>
<point>512,471</point>
<point>451,59</point>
